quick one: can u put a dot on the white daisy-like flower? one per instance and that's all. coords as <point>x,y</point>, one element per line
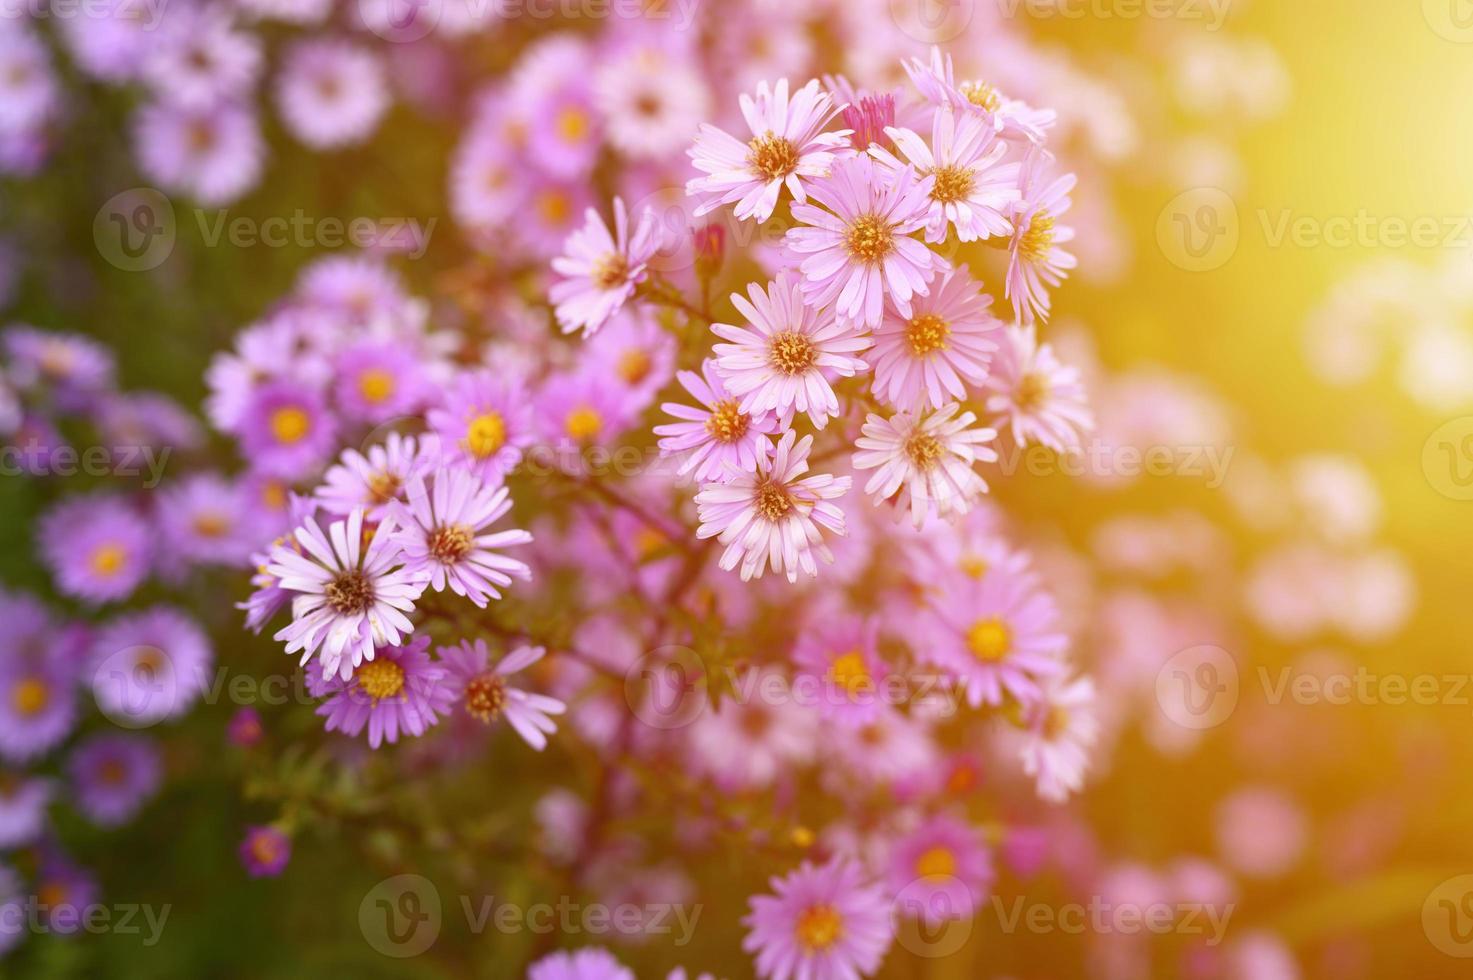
<point>772,516</point>
<point>1060,734</point>
<point>440,530</point>
<point>351,598</point>
<point>783,362</point>
<point>927,459</point>
<point>786,146</point>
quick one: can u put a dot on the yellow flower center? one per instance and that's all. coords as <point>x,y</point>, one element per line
<point>981,94</point>
<point>648,541</point>
<point>973,566</point>
<point>869,238</point>
<point>350,592</point>
<point>484,696</point>
<point>610,271</point>
<point>773,501</point>
<point>107,559</point>
<point>818,928</point>
<point>937,862</point>
<point>850,672</point>
<point>451,543</point>
<point>273,494</point>
<point>375,385</point>
<point>926,332</point>
<point>772,157</point>
<point>727,423</point>
<point>791,353</point>
<point>583,423</point>
<point>211,525</point>
<point>989,640</point>
<point>1039,237</point>
<point>290,425</point>
<point>572,125</point>
<point>485,435</point>
<point>265,848</point>
<point>923,450</point>
<point>1033,391</point>
<point>30,696</point>
<point>634,365</point>
<point>1057,722</point>
<point>554,207</point>
<point>952,184</point>
<point>380,678</point>
<point>383,487</point>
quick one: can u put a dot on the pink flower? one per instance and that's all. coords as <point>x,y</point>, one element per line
<point>841,654</point>
<point>1040,398</point>
<point>399,690</point>
<point>773,517</point>
<point>718,439</point>
<point>1062,728</point>
<point>485,423</point>
<point>928,460</point>
<point>440,532</point>
<point>972,190</point>
<point>940,870</point>
<point>331,93</point>
<point>823,923</point>
<point>1009,117</point>
<point>786,147</point>
<point>1036,263</point>
<point>486,696</point>
<point>948,338</point>
<point>858,251</point>
<point>783,363</point>
<point>352,599</point>
<point>601,270</point>
<point>998,634</point>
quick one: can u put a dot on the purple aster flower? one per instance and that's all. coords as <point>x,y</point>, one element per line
<point>62,892</point>
<point>841,654</point>
<point>96,547</point>
<point>998,634</point>
<point>789,357</point>
<point>484,691</point>
<point>287,429</point>
<point>398,690</point>
<point>1036,263</point>
<point>948,339</point>
<point>1009,117</point>
<point>601,271</point>
<point>378,380</point>
<point>113,776</point>
<point>359,286</point>
<point>549,212</point>
<point>67,366</point>
<point>578,409</point>
<point>552,87</point>
<point>376,480</point>
<point>717,439</point>
<point>244,729</point>
<point>353,598</point>
<point>972,190</point>
<point>440,529</point>
<point>144,419</point>
<point>639,353</point>
<point>201,517</point>
<point>1039,397</point>
<point>940,870</point>
<point>23,802</point>
<point>487,182</point>
<point>37,706</point>
<point>786,147</point>
<point>859,251</point>
<point>265,852</point>
<point>109,42</point>
<point>213,154</point>
<point>201,58</point>
<point>589,963</point>
<point>331,93</point>
<point>485,422</point>
<point>29,94</point>
<point>823,923</point>
<point>148,666</point>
